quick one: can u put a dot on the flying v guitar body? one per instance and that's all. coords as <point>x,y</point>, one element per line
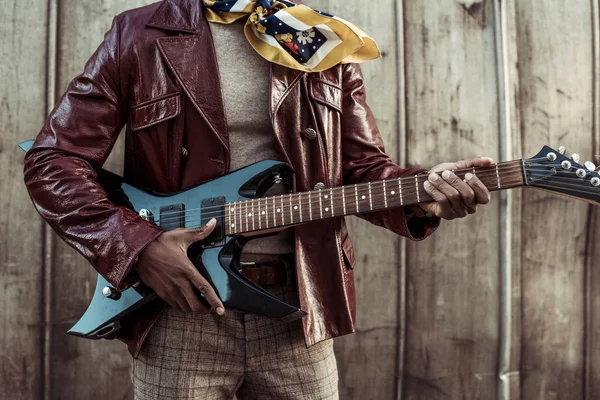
<point>220,254</point>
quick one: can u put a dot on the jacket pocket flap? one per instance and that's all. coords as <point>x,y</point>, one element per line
<point>154,111</point>
<point>348,251</point>
<point>326,93</point>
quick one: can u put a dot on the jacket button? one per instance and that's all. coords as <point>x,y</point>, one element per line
<point>319,186</point>
<point>184,152</point>
<point>309,133</point>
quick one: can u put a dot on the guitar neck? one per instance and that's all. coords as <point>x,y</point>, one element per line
<point>270,213</point>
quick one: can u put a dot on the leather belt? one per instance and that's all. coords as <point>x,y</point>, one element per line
<point>265,273</point>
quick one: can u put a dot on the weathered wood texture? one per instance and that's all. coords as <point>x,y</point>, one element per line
<point>81,362</point>
<point>22,88</point>
<point>554,41</point>
<point>436,91</point>
<point>452,278</point>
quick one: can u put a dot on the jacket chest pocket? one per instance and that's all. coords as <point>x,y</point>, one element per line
<point>155,111</point>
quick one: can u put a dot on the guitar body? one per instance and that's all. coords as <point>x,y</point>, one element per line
<point>220,254</point>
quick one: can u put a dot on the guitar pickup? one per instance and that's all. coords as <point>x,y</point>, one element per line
<point>172,217</point>
<point>213,208</point>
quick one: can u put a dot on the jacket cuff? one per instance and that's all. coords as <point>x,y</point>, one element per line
<point>139,235</point>
<point>420,226</point>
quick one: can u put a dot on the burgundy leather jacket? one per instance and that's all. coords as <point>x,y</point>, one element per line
<point>156,73</point>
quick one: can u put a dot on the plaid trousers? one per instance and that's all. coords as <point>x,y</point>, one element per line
<point>194,356</point>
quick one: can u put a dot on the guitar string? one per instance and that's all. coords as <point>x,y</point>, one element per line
<point>409,180</point>
<point>277,222</point>
<point>337,197</point>
<point>361,188</point>
<point>304,204</point>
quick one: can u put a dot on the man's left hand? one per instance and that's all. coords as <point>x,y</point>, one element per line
<point>455,198</point>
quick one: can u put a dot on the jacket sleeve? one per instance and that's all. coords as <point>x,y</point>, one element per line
<point>365,159</point>
<point>60,169</point>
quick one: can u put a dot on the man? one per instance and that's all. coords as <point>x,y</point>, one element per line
<point>199,100</point>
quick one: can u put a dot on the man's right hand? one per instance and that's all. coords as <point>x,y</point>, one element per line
<point>164,266</point>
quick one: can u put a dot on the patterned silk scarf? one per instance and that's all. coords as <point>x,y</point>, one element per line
<point>295,36</point>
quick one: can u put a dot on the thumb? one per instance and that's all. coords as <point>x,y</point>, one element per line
<point>192,235</point>
<point>474,162</point>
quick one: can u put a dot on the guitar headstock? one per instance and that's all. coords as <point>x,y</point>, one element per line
<point>553,170</point>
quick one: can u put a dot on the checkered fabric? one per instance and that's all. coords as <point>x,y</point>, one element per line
<point>193,356</point>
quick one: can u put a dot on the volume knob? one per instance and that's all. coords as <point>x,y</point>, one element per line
<point>111,293</point>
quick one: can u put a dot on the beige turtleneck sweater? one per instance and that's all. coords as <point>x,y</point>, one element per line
<point>245,86</point>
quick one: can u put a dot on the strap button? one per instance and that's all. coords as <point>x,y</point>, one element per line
<point>309,133</point>
<point>184,152</point>
<point>319,186</point>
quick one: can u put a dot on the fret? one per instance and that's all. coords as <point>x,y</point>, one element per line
<point>259,216</point>
<point>384,195</point>
<point>417,186</point>
<point>400,191</point>
<point>356,196</point>
<point>300,205</point>
<point>498,177</point>
<point>239,211</point>
<point>291,211</point>
<point>252,213</point>
<point>266,212</point>
<point>331,198</point>
<point>282,210</point>
<point>344,200</point>
<point>310,205</point>
<point>320,204</point>
<point>370,198</point>
<point>274,213</point>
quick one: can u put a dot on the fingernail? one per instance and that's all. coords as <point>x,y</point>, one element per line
<point>212,222</point>
<point>446,174</point>
<point>468,176</point>
<point>433,177</point>
<point>220,310</point>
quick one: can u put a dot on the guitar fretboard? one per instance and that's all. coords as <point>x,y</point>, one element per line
<point>298,208</point>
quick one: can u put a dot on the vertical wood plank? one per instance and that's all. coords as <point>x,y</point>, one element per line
<point>367,360</point>
<point>555,67</point>
<point>592,335</point>
<point>83,368</point>
<point>452,310</point>
<point>22,85</point>
<point>509,371</point>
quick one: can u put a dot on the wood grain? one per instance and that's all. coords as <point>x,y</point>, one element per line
<point>555,58</point>
<point>22,85</point>
<point>452,294</point>
<point>93,369</point>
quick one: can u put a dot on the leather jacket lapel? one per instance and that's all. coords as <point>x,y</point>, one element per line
<point>192,59</point>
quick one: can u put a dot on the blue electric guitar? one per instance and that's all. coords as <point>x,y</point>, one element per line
<point>236,201</point>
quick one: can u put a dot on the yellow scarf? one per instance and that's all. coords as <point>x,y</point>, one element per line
<point>295,36</point>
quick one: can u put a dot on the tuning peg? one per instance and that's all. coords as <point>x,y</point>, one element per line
<point>575,157</point>
<point>562,150</point>
<point>590,166</point>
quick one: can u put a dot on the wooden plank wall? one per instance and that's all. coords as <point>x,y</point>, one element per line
<point>455,316</point>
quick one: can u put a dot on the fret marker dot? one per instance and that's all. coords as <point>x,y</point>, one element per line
<point>295,207</point>
<point>326,208</point>
<point>393,192</point>
<point>364,197</point>
<point>326,196</point>
<point>263,213</point>
<point>249,214</point>
<point>278,210</point>
<point>233,225</point>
